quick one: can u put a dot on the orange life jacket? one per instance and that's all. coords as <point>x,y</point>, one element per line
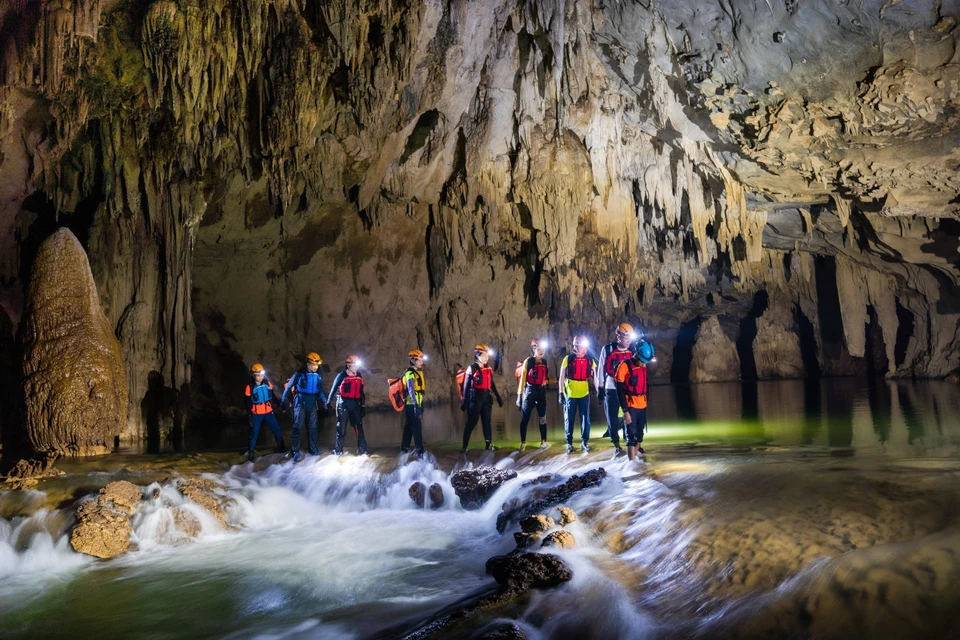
<point>614,358</point>
<point>636,382</point>
<point>537,373</point>
<point>482,377</point>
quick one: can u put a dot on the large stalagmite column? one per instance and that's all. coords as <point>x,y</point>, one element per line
<point>74,383</point>
<point>715,357</point>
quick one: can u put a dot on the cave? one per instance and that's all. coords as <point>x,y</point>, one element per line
<point>198,196</point>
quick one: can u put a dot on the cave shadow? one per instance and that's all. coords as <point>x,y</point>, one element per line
<point>156,409</point>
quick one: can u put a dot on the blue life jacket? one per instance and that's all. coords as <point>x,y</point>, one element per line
<point>260,393</point>
<point>309,383</point>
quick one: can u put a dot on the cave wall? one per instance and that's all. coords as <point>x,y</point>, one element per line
<point>261,178</point>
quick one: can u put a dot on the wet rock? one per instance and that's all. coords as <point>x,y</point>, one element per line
<point>503,631</point>
<point>560,538</point>
<point>74,381</point>
<point>475,486</point>
<point>418,493</point>
<point>101,530</point>
<point>436,496</point>
<point>124,495</point>
<point>553,497</point>
<point>537,524</point>
<point>208,494</point>
<point>186,522</point>
<point>522,572</point>
<point>567,515</point>
<point>40,466</point>
<point>526,540</point>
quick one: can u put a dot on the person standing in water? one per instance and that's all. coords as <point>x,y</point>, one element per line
<point>576,372</point>
<point>351,404</point>
<point>259,393</point>
<point>304,388</point>
<point>611,356</point>
<point>414,383</point>
<point>532,392</point>
<point>479,389</point>
<point>631,379</point>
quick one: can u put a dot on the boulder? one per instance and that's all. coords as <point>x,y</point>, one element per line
<point>537,524</point>
<point>186,522</point>
<point>519,510</point>
<point>503,631</point>
<point>101,531</point>
<point>417,493</point>
<point>560,538</point>
<point>526,540</point>
<point>525,571</point>
<point>567,515</point>
<point>124,495</point>
<point>74,382</point>
<point>207,494</point>
<point>436,496</point>
<point>475,486</point>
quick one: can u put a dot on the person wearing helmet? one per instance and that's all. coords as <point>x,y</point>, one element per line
<point>479,389</point>
<point>532,392</point>
<point>611,356</point>
<point>259,393</point>
<point>351,404</point>
<point>631,379</point>
<point>576,372</point>
<point>304,388</point>
<point>415,385</point>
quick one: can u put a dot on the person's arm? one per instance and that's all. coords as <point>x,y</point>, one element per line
<point>562,379</point>
<point>286,389</point>
<point>493,387</point>
<point>334,390</point>
<point>599,379</point>
<point>412,389</point>
<point>622,372</point>
<point>467,386</point>
<point>363,399</point>
<point>523,379</point>
<point>249,399</point>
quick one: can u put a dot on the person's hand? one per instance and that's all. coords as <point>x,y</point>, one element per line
<point>363,410</point>
<point>601,396</point>
<point>463,406</point>
<point>563,399</point>
<point>418,411</point>
<point>499,401</point>
<point>326,406</point>
<point>627,419</point>
<point>519,403</point>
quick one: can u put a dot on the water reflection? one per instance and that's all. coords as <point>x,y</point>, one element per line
<point>845,415</point>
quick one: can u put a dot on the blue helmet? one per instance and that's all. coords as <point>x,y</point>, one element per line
<point>643,350</point>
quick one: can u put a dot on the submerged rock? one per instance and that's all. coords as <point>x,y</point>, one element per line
<point>475,486</point>
<point>503,631</point>
<point>561,538</point>
<point>74,381</point>
<point>207,494</point>
<point>518,511</point>
<point>417,493</point>
<point>525,571</point>
<point>186,522</point>
<point>537,524</point>
<point>526,540</point>
<point>124,495</point>
<point>436,496</point>
<point>101,531</point>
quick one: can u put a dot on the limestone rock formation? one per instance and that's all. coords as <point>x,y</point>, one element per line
<point>515,168</point>
<point>715,357</point>
<point>436,496</point>
<point>521,572</point>
<point>103,524</point>
<point>560,538</point>
<point>418,492</point>
<point>517,510</point>
<point>567,515</point>
<point>537,524</point>
<point>209,494</point>
<point>74,383</point>
<point>475,486</point>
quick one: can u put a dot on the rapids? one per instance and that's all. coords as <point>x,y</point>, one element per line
<point>835,522</point>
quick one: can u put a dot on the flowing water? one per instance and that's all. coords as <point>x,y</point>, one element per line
<point>773,510</point>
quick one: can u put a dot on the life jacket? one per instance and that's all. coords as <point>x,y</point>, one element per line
<point>636,382</point>
<point>260,393</point>
<point>519,371</point>
<point>351,387</point>
<point>309,382</point>
<point>614,358</point>
<point>397,391</point>
<point>461,378</point>
<point>578,368</point>
<point>482,377</point>
<point>537,373</point>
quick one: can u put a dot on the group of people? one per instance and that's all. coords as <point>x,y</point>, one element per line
<point>619,376</point>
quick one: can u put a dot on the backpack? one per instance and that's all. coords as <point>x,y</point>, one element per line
<point>397,392</point>
<point>519,371</point>
<point>461,376</point>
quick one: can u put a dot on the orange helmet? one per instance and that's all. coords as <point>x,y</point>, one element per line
<point>257,368</point>
<point>314,358</point>
<point>352,359</point>
<point>581,341</point>
<point>415,353</point>
<point>480,348</point>
<point>624,329</point>
<point>539,344</point>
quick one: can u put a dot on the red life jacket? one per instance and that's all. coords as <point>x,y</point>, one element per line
<point>579,368</point>
<point>537,373</point>
<point>351,387</point>
<point>482,376</point>
<point>614,358</point>
<point>636,382</point>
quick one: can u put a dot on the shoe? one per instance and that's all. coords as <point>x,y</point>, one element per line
<point>337,453</point>
<point>585,448</point>
<point>639,449</point>
<point>418,453</point>
<point>523,445</point>
<point>281,446</point>
<point>617,452</point>
<point>316,453</point>
<point>251,455</point>
<point>569,448</point>
<point>463,451</point>
<point>491,447</point>
<point>297,457</point>
<point>404,450</point>
<point>544,445</point>
<point>365,454</point>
